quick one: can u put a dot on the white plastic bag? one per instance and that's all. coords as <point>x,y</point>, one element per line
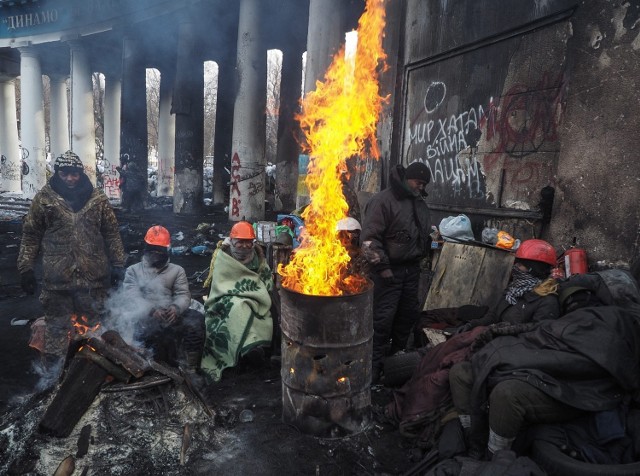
<point>456,228</point>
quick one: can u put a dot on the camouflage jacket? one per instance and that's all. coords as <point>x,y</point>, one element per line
<point>77,247</point>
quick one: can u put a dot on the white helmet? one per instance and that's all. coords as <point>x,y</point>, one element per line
<point>348,224</point>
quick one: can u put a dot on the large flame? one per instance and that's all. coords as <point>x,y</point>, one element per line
<point>339,121</point>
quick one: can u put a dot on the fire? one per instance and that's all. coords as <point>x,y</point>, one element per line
<point>81,325</point>
<point>339,121</point>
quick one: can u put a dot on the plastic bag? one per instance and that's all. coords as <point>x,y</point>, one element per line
<point>456,228</point>
<point>490,236</point>
<point>505,240</point>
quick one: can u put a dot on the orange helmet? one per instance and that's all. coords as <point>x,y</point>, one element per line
<point>243,230</point>
<point>158,236</point>
<point>537,250</point>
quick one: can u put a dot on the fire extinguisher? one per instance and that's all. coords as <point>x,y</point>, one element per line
<point>575,261</point>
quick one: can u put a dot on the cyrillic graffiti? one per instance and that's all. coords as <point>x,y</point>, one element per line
<point>9,170</point>
<point>235,190</point>
<point>26,20</point>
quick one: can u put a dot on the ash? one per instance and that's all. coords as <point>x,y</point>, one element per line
<point>132,432</point>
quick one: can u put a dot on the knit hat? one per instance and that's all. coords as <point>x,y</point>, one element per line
<point>418,171</point>
<point>68,160</point>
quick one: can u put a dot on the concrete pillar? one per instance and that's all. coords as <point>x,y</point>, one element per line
<point>133,113</point>
<point>247,192</point>
<point>83,131</point>
<point>59,120</point>
<point>188,106</point>
<point>224,131</point>
<point>112,98</point>
<point>32,123</point>
<point>166,137</point>
<point>9,144</point>
<point>327,25</point>
<point>287,153</point>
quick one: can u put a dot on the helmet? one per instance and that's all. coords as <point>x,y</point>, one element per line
<point>243,230</point>
<point>348,224</point>
<point>537,250</point>
<point>158,236</point>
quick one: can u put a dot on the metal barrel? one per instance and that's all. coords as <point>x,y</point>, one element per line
<point>326,362</point>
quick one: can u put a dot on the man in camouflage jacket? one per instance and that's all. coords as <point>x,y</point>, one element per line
<point>75,227</point>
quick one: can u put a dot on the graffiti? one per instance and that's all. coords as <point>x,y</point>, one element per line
<point>436,92</point>
<point>459,173</point>
<point>255,188</point>
<point>9,170</point>
<point>528,117</point>
<point>235,207</point>
<point>235,175</point>
<point>184,134</point>
<point>24,152</point>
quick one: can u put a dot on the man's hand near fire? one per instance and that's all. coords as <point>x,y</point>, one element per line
<point>166,315</point>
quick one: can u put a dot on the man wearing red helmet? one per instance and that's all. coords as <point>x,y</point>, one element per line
<point>157,293</point>
<point>238,316</point>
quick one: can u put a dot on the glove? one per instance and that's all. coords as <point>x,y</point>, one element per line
<point>28,281</point>
<point>387,276</point>
<point>117,275</point>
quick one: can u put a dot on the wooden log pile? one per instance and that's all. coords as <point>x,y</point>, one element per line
<point>97,360</point>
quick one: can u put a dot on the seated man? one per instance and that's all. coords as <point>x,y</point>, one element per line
<point>238,310</point>
<point>163,290</point>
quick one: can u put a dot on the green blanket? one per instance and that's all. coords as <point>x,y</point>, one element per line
<point>237,312</point>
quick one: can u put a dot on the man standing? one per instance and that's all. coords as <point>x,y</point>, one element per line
<point>395,230</point>
<point>75,227</point>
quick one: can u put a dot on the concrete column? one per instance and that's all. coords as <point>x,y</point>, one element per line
<point>247,192</point>
<point>32,123</point>
<point>166,137</point>
<point>287,154</point>
<point>9,144</point>
<point>83,131</point>
<point>188,106</point>
<point>59,120</point>
<point>327,25</point>
<point>112,98</point>
<point>224,130</point>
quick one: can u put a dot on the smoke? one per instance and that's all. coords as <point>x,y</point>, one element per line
<point>128,309</point>
<point>48,367</point>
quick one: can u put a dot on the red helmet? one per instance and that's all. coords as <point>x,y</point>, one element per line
<point>158,236</point>
<point>243,230</point>
<point>537,250</point>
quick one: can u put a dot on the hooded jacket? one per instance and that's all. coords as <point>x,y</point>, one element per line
<point>397,223</point>
<point>160,287</point>
<point>77,247</point>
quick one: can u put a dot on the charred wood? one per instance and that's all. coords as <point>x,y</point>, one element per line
<point>114,370</point>
<point>78,390</point>
<point>83,441</point>
<point>140,385</point>
<point>66,467</point>
<point>124,355</point>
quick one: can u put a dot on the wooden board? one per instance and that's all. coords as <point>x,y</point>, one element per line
<point>467,274</point>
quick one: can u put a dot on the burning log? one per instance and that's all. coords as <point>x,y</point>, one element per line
<point>119,352</point>
<point>118,372</point>
<point>78,390</point>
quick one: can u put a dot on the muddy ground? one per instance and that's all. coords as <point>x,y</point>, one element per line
<point>143,433</point>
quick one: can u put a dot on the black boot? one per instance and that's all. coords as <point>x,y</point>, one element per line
<point>477,437</point>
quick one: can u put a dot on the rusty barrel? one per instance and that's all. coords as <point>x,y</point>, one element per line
<point>326,362</point>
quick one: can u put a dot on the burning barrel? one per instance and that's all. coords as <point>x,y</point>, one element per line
<point>326,362</point>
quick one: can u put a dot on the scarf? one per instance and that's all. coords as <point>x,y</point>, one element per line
<point>521,282</point>
<point>76,197</point>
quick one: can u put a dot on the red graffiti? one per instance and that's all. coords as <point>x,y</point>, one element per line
<point>235,207</point>
<point>528,117</point>
<point>235,175</point>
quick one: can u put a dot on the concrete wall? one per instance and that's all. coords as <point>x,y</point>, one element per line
<point>501,102</point>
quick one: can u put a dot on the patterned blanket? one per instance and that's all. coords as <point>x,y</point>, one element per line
<point>237,312</point>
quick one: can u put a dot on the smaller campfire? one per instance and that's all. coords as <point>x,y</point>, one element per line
<point>93,361</point>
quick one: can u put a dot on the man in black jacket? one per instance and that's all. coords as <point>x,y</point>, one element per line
<point>396,231</point>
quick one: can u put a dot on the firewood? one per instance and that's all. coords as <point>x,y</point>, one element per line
<point>186,442</point>
<point>116,371</point>
<point>164,370</point>
<point>79,388</point>
<point>83,441</point>
<point>124,356</point>
<point>66,467</point>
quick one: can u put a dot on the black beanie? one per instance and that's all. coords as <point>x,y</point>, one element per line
<point>418,171</point>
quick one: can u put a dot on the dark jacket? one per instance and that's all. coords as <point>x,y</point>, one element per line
<point>77,247</point>
<point>397,223</point>
<point>530,307</point>
<point>588,359</point>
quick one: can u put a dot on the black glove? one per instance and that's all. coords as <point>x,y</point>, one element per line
<point>387,276</point>
<point>117,275</point>
<point>28,281</point>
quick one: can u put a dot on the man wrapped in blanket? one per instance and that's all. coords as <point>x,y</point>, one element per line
<point>238,310</point>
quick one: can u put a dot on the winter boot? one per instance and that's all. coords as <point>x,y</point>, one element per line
<point>193,361</point>
<point>476,437</point>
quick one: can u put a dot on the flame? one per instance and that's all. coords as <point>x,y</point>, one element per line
<point>339,121</point>
<point>81,325</point>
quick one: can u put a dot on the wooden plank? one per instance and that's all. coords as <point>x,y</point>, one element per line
<point>467,274</point>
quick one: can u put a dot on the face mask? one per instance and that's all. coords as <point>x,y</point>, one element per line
<point>243,255</point>
<point>156,260</point>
